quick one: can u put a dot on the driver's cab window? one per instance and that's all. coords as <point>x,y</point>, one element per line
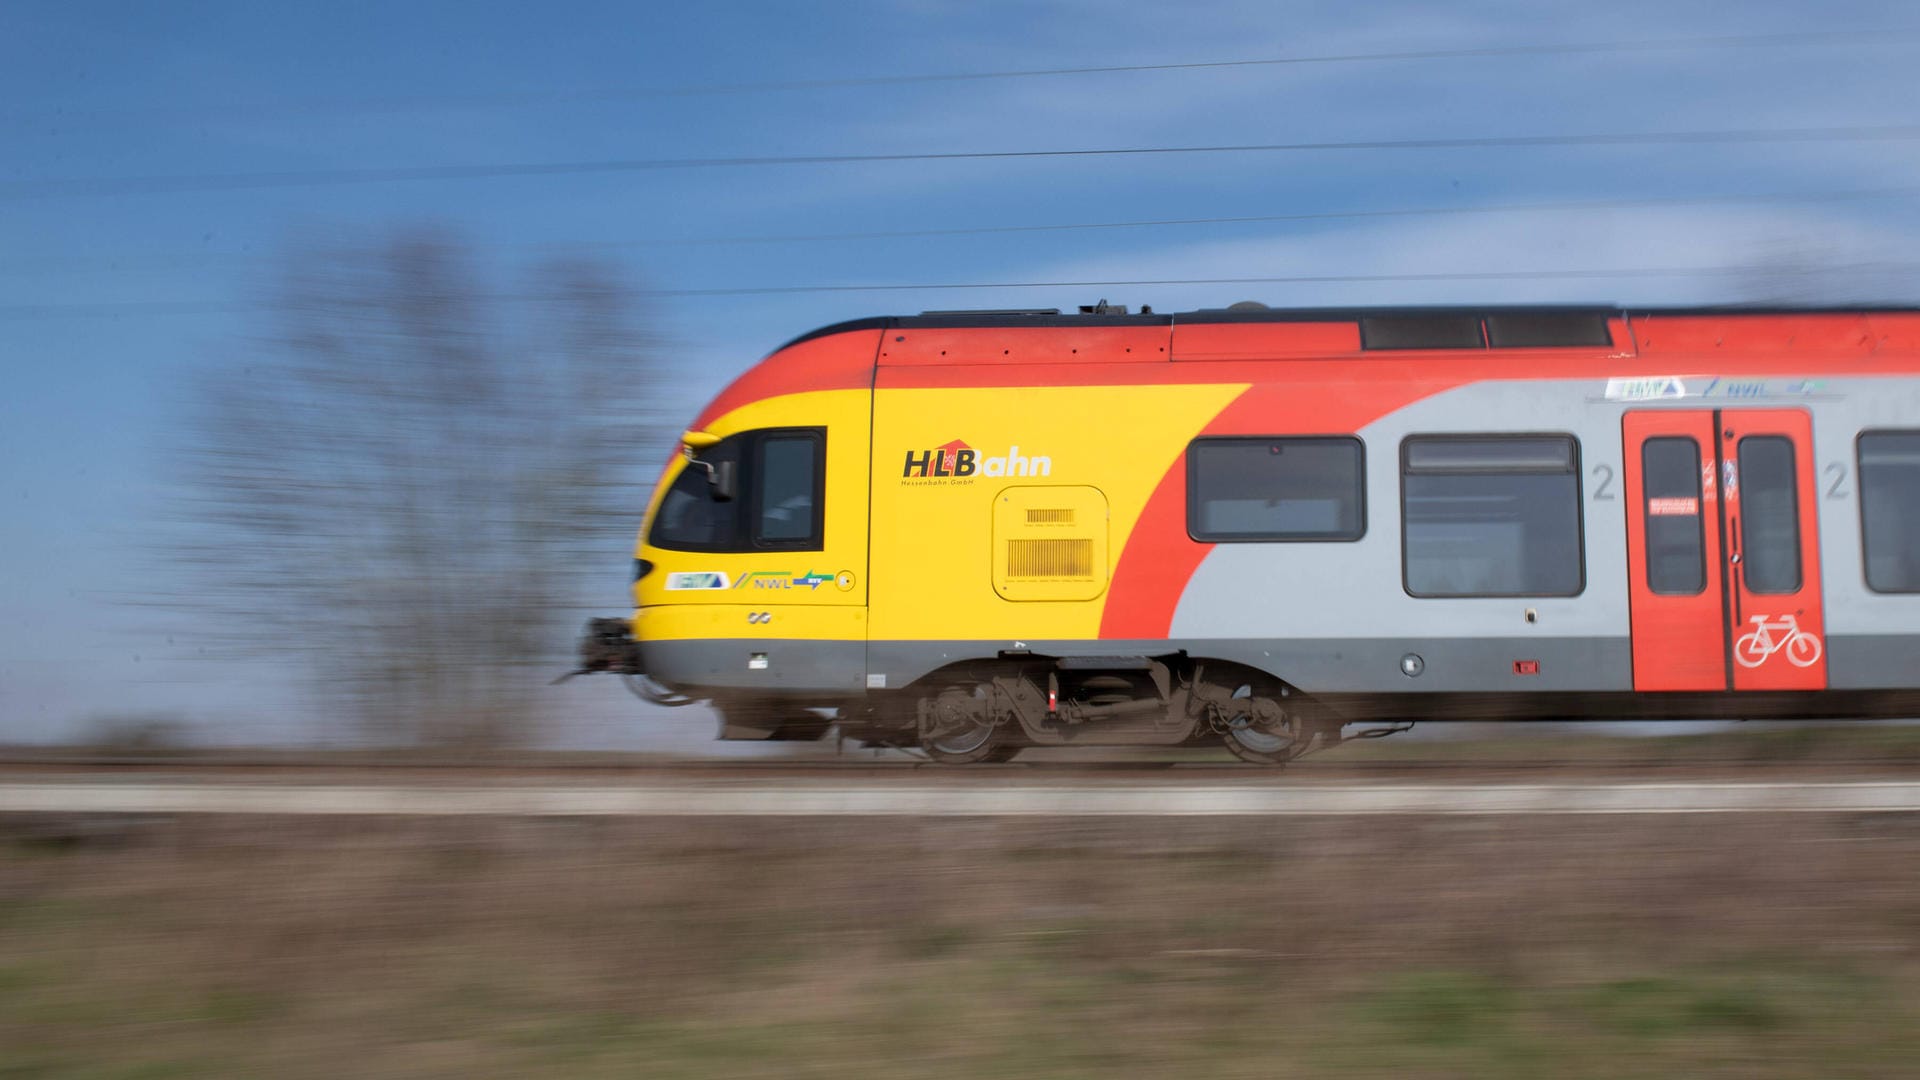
<point>695,515</point>
<point>787,506</point>
<point>755,491</point>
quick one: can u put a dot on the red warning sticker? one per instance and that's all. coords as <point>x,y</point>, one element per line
<point>1673,507</point>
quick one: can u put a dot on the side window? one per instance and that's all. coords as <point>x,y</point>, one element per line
<point>786,512</point>
<point>692,515</point>
<point>1676,544</point>
<point>1890,509</point>
<point>1241,490</point>
<point>779,481</point>
<point>1491,515</point>
<point>1769,515</point>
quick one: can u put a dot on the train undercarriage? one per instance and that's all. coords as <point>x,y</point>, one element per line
<point>991,710</point>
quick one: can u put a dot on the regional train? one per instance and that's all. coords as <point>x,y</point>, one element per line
<point>977,532</point>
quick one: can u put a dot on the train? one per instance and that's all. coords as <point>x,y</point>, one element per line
<point>1269,530</point>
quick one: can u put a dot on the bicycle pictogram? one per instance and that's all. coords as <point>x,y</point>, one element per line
<point>1770,636</point>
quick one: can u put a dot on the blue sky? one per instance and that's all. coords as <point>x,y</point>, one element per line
<point>94,380</point>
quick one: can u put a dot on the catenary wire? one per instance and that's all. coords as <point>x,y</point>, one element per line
<point>1798,40</point>
<point>17,190</point>
<point>164,260</point>
<point>17,312</point>
<point>1294,279</point>
<point>1650,202</point>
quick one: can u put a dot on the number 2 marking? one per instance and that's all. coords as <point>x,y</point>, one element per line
<point>1603,474</point>
<point>1839,472</point>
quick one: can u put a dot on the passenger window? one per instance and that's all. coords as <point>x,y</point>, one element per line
<point>1241,490</point>
<point>1491,515</point>
<point>1769,515</point>
<point>1890,509</point>
<point>1676,542</point>
<point>786,514</point>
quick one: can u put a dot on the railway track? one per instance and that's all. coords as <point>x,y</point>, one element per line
<point>163,797</point>
<point>894,768</point>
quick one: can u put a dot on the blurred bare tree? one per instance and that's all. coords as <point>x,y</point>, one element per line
<point>406,486</point>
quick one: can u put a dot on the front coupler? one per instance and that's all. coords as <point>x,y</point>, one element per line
<point>608,645</point>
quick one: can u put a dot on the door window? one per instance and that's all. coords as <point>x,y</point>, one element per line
<point>1676,542</point>
<point>1769,515</point>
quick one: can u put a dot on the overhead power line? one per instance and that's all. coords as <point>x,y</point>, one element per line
<point>18,312</point>
<point>1719,41</point>
<point>1297,279</point>
<point>1651,202</point>
<point>152,260</point>
<point>216,182</point>
<point>1805,40</point>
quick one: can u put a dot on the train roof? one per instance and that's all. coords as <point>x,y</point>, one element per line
<point>979,347</point>
<point>1104,314</point>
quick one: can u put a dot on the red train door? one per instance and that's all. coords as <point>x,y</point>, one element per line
<point>1723,550</point>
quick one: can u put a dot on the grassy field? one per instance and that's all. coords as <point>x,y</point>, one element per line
<point>1603,947</point>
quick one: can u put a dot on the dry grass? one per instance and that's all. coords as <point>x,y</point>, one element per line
<point>1605,947</point>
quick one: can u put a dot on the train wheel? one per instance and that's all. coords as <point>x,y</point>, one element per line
<point>959,730</point>
<point>982,742</point>
<point>1263,736</point>
<point>1260,747</point>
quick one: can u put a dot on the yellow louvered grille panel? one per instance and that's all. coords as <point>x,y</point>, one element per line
<point>1050,559</point>
<point>1050,543</point>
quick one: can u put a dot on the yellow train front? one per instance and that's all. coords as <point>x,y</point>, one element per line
<point>975,533</point>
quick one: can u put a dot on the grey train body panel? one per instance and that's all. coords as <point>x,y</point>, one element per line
<point>1873,661</point>
<point>822,669</point>
<point>1351,665</point>
<point>1461,680</point>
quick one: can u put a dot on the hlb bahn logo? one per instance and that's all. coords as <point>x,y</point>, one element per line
<point>958,463</point>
